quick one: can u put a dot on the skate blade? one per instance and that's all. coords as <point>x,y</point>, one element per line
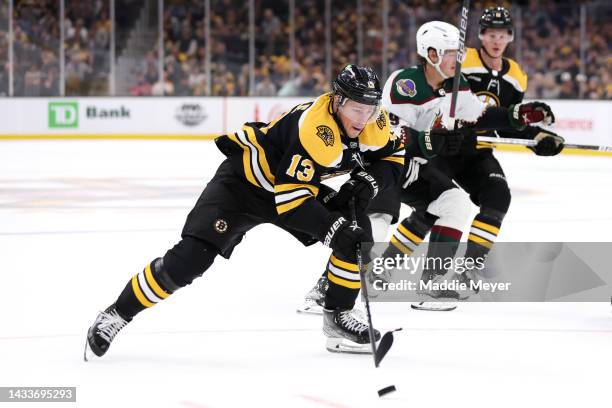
<point>340,345</point>
<point>310,308</point>
<point>88,353</point>
<point>434,306</point>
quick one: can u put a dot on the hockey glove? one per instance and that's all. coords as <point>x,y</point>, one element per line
<point>441,142</point>
<point>469,142</point>
<point>530,113</point>
<point>362,186</point>
<point>342,236</point>
<point>548,143</point>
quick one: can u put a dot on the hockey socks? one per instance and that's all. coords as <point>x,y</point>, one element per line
<point>409,234</point>
<point>344,283</point>
<point>145,289</point>
<point>483,233</point>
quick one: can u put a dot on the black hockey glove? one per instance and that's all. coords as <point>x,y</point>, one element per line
<point>441,142</point>
<point>548,143</point>
<point>531,113</point>
<point>362,186</point>
<point>342,236</point>
<point>469,142</point>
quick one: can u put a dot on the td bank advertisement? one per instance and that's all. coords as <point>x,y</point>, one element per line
<point>110,117</point>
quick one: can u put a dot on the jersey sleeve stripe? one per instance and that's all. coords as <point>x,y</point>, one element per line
<point>254,161</point>
<point>284,197</point>
<point>281,188</point>
<point>263,161</point>
<point>246,162</point>
<point>398,160</point>
<point>283,208</point>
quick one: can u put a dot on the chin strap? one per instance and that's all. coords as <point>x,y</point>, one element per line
<point>437,66</point>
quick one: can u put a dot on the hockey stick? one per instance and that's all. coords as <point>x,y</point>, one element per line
<point>463,25</point>
<point>387,340</point>
<point>531,143</point>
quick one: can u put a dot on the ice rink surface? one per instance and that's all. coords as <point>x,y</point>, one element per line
<point>79,218</point>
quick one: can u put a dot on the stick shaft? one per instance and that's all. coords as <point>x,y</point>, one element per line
<point>463,25</point>
<point>359,257</point>
<point>527,142</point>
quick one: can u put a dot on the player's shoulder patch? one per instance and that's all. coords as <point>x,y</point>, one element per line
<point>409,86</point>
<point>516,76</point>
<point>376,134</point>
<point>319,134</point>
<point>472,59</point>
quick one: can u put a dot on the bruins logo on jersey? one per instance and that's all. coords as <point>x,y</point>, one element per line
<point>326,134</point>
<point>489,98</point>
<point>381,122</point>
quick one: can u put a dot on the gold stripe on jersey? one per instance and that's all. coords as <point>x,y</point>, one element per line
<point>376,134</point>
<point>254,162</point>
<point>246,159</point>
<point>288,196</point>
<point>319,133</point>
<point>283,208</point>
<point>516,76</point>
<point>281,188</point>
<point>472,62</point>
<point>262,160</point>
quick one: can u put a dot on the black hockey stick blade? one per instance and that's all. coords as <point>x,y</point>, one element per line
<point>384,346</point>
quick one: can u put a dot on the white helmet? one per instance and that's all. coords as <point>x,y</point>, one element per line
<point>441,37</point>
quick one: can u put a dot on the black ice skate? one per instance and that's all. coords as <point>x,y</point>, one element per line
<point>346,332</point>
<point>432,299</point>
<point>102,332</point>
<point>314,301</point>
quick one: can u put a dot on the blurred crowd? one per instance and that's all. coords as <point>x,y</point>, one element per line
<point>549,46</point>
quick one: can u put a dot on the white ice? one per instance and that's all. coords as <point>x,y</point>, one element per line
<point>79,218</point>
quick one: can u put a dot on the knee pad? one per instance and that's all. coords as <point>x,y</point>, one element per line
<point>187,260</point>
<point>380,225</point>
<point>496,195</point>
<point>453,207</point>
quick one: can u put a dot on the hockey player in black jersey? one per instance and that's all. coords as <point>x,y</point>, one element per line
<point>416,110</point>
<point>498,82</point>
<point>272,174</point>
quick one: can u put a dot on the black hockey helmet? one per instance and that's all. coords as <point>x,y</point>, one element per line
<point>359,84</point>
<point>496,17</point>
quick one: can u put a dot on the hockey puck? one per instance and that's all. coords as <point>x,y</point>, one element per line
<point>387,390</point>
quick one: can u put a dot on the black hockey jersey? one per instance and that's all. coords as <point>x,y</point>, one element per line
<point>495,88</point>
<point>289,156</point>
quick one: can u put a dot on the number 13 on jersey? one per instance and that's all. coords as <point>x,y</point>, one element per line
<point>301,168</point>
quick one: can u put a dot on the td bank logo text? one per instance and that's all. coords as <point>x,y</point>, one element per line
<point>66,114</point>
<point>63,114</point>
